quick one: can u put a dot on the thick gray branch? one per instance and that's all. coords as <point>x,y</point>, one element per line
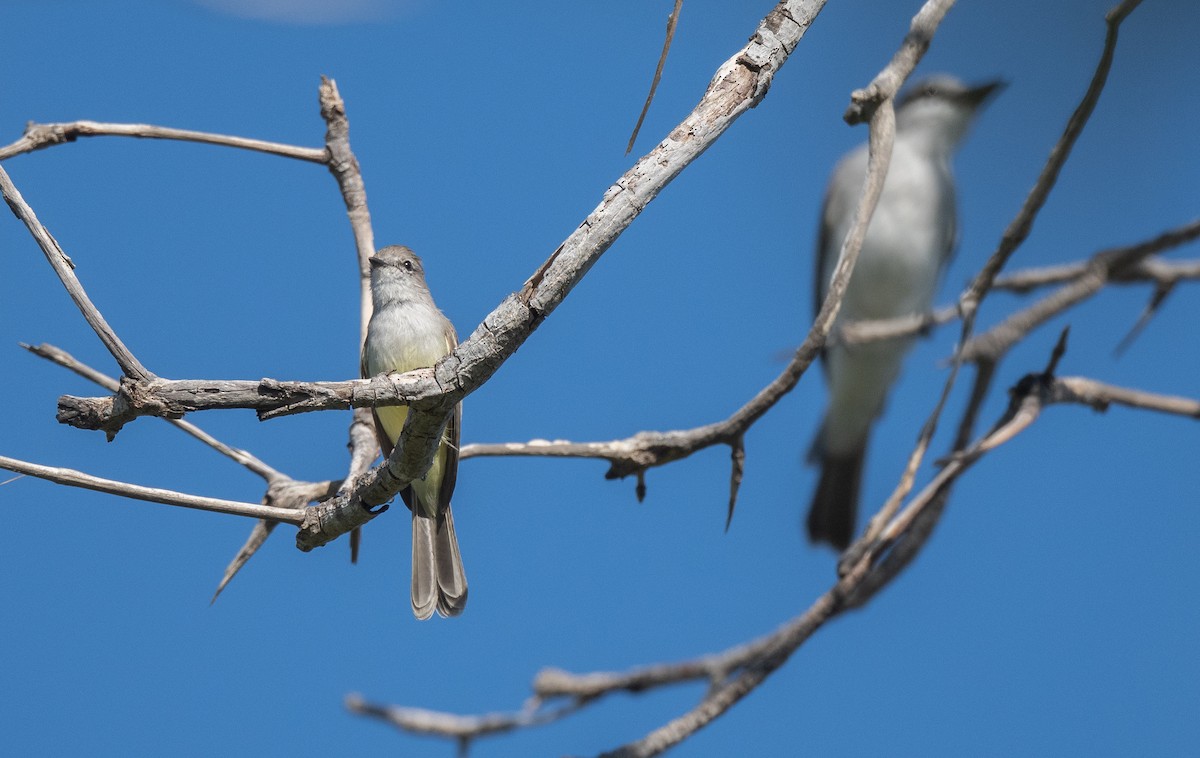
<point>271,398</point>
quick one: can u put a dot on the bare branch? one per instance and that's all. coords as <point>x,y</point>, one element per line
<point>582,689</point>
<point>888,82</point>
<point>462,728</point>
<point>38,136</point>
<point>352,507</point>
<point>739,84</point>
<point>270,398</point>
<point>863,332</point>
<point>649,449</point>
<point>1151,269</point>
<point>1157,298</point>
<point>1099,396</point>
<point>74,478</point>
<point>1102,268</point>
<point>344,167</point>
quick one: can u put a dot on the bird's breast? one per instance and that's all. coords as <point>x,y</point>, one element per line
<point>907,243</point>
<point>402,338</point>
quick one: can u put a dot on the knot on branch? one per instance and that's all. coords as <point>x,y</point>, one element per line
<point>45,135</point>
<point>110,414</point>
<point>555,682</point>
<point>331,519</point>
<point>142,399</point>
<point>863,104</point>
<point>332,105</point>
<point>289,493</point>
<point>88,413</point>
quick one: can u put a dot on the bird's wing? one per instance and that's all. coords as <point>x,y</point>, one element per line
<point>451,436</point>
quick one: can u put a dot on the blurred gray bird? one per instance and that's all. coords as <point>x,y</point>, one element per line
<point>406,332</point>
<point>909,241</point>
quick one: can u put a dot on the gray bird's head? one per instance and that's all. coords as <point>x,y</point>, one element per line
<point>397,274</point>
<point>940,109</point>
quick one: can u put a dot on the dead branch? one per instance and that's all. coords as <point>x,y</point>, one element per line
<point>40,136</point>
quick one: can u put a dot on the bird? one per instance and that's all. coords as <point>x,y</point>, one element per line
<point>909,241</point>
<point>407,331</point>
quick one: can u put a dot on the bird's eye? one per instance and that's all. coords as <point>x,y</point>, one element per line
<point>408,266</point>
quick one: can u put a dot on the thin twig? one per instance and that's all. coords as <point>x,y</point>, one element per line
<point>1020,227</point>
<point>1163,273</point>
<point>73,478</point>
<point>672,22</point>
<point>281,494</point>
<point>465,729</point>
<point>39,136</point>
<point>1153,269</point>
<point>1099,396</point>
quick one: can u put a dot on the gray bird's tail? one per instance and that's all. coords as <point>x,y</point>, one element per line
<point>438,579</point>
<point>834,509</point>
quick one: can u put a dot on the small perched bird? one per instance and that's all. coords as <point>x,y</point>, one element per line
<point>406,332</point>
<point>909,241</point>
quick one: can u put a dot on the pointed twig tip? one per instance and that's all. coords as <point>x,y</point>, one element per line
<point>738,458</point>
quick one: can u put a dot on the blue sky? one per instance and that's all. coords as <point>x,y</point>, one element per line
<point>1053,612</point>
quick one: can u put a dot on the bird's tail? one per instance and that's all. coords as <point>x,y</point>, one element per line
<point>438,579</point>
<point>834,509</point>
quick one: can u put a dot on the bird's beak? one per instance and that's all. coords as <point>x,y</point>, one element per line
<point>375,262</point>
<point>980,94</point>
